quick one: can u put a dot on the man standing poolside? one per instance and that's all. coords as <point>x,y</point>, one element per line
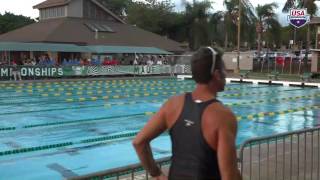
<point>202,130</point>
<point>16,70</point>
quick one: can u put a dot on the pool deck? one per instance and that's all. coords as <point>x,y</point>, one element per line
<point>231,77</point>
<point>264,81</point>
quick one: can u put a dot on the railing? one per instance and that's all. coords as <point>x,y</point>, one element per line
<point>289,66</point>
<point>286,156</point>
<point>134,171</point>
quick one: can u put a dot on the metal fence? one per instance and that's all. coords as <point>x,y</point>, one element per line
<point>289,66</point>
<point>287,156</point>
<point>130,172</point>
<point>293,155</point>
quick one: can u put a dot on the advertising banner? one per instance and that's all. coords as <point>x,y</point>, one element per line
<point>32,71</point>
<point>36,71</point>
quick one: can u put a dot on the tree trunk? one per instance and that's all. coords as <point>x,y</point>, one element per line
<point>259,44</point>
<point>259,32</point>
<point>226,40</point>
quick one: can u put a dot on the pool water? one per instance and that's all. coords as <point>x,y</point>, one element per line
<point>56,130</point>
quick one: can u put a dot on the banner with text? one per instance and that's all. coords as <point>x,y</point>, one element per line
<point>34,71</point>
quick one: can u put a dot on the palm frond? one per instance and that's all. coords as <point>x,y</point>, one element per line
<point>289,4</point>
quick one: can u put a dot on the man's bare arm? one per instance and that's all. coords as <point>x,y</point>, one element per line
<point>155,126</point>
<point>226,149</point>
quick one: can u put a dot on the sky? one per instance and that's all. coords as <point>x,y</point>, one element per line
<point>24,7</point>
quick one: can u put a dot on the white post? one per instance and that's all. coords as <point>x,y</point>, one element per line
<point>262,62</point>
<point>299,66</point>
<point>96,34</point>
<point>275,64</point>
<point>290,64</point>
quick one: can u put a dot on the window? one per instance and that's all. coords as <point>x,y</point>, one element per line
<point>98,27</point>
<point>41,14</point>
<point>55,12</point>
<point>46,13</point>
<point>60,11</point>
<point>51,12</point>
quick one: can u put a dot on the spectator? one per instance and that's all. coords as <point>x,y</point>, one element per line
<point>16,70</point>
<point>148,66</point>
<point>135,64</point>
<point>41,61</point>
<point>94,62</point>
<point>149,62</point>
<point>33,62</point>
<point>77,62</point>
<point>106,62</point>
<point>135,61</point>
<point>172,63</point>
<point>159,61</point>
<point>144,59</point>
<point>86,62</point>
<point>81,62</point>
<point>114,62</point>
<point>64,62</point>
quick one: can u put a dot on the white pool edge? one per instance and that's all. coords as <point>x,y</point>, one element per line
<point>262,81</point>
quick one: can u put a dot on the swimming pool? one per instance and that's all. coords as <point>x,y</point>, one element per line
<point>56,130</point>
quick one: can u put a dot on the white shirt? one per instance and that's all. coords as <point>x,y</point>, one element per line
<point>149,62</point>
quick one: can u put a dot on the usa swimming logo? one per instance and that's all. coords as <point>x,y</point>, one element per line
<point>298,17</point>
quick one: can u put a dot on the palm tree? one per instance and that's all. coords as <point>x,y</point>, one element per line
<point>230,17</point>
<point>217,26</point>
<point>248,19</point>
<point>310,4</point>
<point>266,20</point>
<point>311,9</point>
<point>230,21</point>
<point>197,17</point>
<point>273,31</point>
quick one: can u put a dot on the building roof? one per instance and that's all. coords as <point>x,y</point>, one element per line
<point>108,11</point>
<point>51,3</point>
<point>127,49</point>
<point>17,46</point>
<point>54,3</point>
<point>76,31</point>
